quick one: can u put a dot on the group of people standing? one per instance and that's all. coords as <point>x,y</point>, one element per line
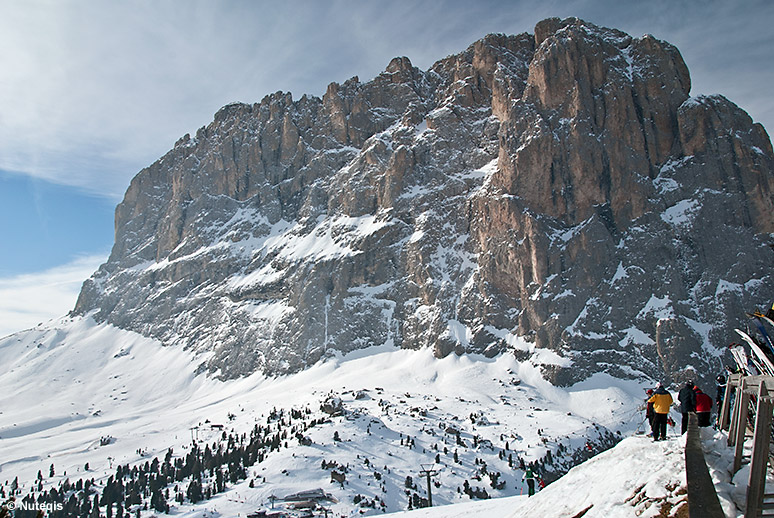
<point>691,399</point>
<point>657,411</point>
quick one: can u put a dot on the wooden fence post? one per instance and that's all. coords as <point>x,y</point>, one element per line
<point>734,415</point>
<point>741,425</point>
<point>756,483</point>
<point>725,407</point>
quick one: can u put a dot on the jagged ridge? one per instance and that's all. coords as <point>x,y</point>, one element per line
<point>559,195</point>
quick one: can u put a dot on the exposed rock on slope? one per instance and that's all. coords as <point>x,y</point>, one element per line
<point>558,194</point>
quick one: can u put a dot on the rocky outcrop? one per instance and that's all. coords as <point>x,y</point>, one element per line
<point>559,195</point>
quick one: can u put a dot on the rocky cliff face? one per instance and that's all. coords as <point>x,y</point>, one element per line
<point>559,195</point>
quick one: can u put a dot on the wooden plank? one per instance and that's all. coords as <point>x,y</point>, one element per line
<point>726,406</point>
<point>755,381</point>
<point>702,498</point>
<point>756,483</point>
<point>732,431</point>
<point>741,428</point>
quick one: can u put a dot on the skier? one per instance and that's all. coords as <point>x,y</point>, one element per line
<point>687,399</point>
<point>530,478</point>
<point>650,415</point>
<point>703,406</point>
<point>661,400</point>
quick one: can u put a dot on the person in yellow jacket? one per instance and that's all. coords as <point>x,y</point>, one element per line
<point>662,401</point>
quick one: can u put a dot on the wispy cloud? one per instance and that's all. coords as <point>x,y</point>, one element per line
<point>26,300</point>
<point>92,91</point>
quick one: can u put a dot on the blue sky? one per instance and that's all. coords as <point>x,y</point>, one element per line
<point>49,224</point>
<point>93,91</point>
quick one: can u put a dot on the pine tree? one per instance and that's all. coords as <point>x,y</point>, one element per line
<point>159,502</point>
<point>194,492</point>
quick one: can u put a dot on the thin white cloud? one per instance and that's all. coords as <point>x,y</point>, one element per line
<point>90,92</point>
<point>29,299</point>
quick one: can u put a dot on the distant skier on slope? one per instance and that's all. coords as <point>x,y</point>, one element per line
<point>661,400</point>
<point>530,478</point>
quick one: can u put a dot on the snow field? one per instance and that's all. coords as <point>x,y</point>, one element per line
<point>635,478</point>
<point>103,382</point>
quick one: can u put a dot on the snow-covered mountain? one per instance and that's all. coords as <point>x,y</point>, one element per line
<point>561,187</point>
<point>477,267</point>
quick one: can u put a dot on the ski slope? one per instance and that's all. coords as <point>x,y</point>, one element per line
<point>75,393</point>
<point>636,478</point>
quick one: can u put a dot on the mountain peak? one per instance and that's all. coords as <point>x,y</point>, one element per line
<point>558,196</point>
<point>399,64</point>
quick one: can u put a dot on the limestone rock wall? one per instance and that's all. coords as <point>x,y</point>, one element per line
<point>557,195</point>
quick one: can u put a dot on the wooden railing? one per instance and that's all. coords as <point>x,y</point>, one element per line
<point>702,498</point>
<point>752,411</point>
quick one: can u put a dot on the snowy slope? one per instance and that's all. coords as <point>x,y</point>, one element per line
<point>636,478</point>
<point>95,381</point>
<point>91,381</point>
